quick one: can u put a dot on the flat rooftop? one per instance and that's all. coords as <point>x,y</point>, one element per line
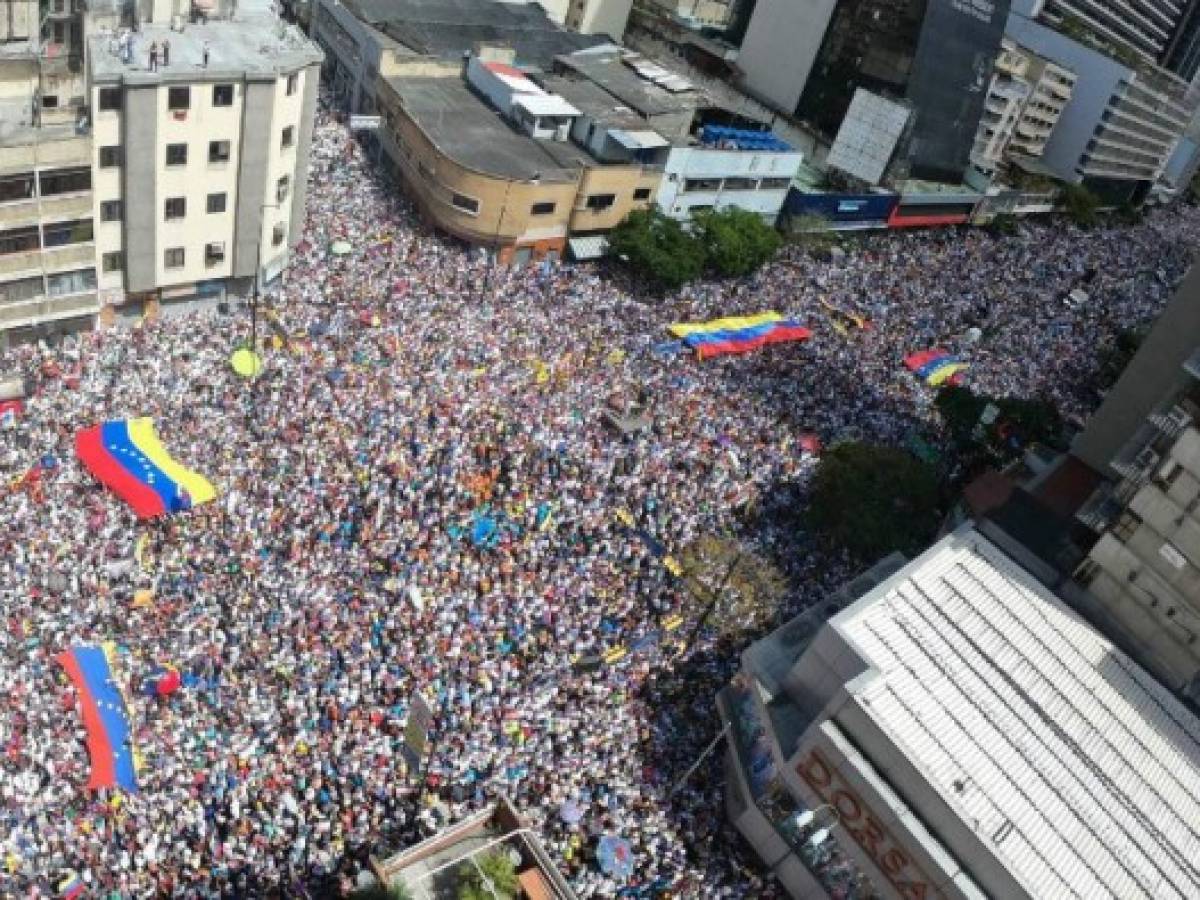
<point>475,135</point>
<point>593,101</point>
<point>610,72</point>
<point>255,44</point>
<point>1077,769</point>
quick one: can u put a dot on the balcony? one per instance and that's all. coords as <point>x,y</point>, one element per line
<point>69,256</point>
<point>43,309</point>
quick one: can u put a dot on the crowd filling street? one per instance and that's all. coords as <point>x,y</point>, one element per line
<point>337,571</point>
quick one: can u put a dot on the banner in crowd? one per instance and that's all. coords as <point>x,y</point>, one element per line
<point>936,367</point>
<point>105,716</point>
<point>738,334</point>
<point>126,456</point>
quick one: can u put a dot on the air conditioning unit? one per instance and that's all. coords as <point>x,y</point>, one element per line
<point>1146,460</point>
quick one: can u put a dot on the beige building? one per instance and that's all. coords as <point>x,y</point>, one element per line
<point>489,159</point>
<point>200,154</point>
<point>47,256</point>
<point>1025,98</point>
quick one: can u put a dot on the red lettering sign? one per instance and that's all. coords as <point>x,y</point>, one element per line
<point>866,830</point>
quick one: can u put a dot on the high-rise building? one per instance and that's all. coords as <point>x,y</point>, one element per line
<point>949,728</point>
<point>1147,26</point>
<point>201,135</point>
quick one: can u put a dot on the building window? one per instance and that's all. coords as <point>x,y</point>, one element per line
<point>277,235</point>
<point>218,151</point>
<point>740,184</point>
<point>1126,526</point>
<point>292,82</point>
<point>179,98</point>
<point>222,95</point>
<point>65,181</point>
<point>281,188</point>
<point>60,234</point>
<point>542,209</point>
<point>110,157</point>
<point>173,258</point>
<point>288,138</point>
<point>110,99</point>
<point>175,208</point>
<point>214,253</point>
<point>14,188</point>
<point>112,262</point>
<point>641,194</point>
<point>71,282</point>
<point>19,240</point>
<point>21,289</point>
<point>774,184</point>
<point>216,203</point>
<point>110,211</point>
<point>465,203</point>
<point>176,154</point>
<point>702,184</point>
<point>601,201</point>
<point>49,101</point>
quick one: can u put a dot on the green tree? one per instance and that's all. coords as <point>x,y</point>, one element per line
<point>740,590</point>
<point>1019,423</point>
<point>812,232</point>
<point>379,891</point>
<point>1004,225</point>
<point>494,869</point>
<point>871,500</point>
<point>736,241</point>
<point>658,248</point>
<point>1080,205</point>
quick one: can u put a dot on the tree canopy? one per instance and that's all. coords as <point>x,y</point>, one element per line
<point>736,241</point>
<point>658,247</point>
<point>871,500</point>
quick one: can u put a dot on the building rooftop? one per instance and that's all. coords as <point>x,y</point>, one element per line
<point>451,28</point>
<point>639,93</point>
<point>593,101</point>
<point>1077,769</point>
<point>474,135</point>
<point>255,43</point>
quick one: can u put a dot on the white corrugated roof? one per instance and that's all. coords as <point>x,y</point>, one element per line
<point>1079,770</point>
<point>545,105</point>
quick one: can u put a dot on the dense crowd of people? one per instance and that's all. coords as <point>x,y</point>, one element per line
<point>419,391</point>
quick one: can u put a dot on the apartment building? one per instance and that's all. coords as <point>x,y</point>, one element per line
<point>1025,98</point>
<point>200,154</point>
<point>47,258</point>
<point>1148,27</point>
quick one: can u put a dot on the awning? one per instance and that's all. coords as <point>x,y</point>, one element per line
<point>639,140</point>
<point>590,247</point>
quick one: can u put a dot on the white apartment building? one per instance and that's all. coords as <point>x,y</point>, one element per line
<point>608,17</point>
<point>200,159</point>
<point>1025,98</point>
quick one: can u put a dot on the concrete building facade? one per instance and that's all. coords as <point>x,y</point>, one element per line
<point>783,38</point>
<point>605,17</point>
<point>201,163</point>
<point>957,731</point>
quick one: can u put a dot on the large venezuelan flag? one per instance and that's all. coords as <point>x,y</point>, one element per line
<point>127,457</point>
<point>105,717</point>
<point>739,334</point>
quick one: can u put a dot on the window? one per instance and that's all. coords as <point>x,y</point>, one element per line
<point>59,234</point>
<point>278,235</point>
<point>173,258</point>
<point>542,209</point>
<point>601,201</point>
<point>16,187</point>
<point>216,203</point>
<point>21,289</point>
<point>111,211</point>
<point>179,98</point>
<point>466,204</point>
<point>214,253</point>
<point>50,101</point>
<point>740,184</point>
<point>281,188</point>
<point>175,208</point>
<point>774,184</point>
<point>641,194</point>
<point>292,82</point>
<point>1126,526</point>
<point>288,139</point>
<point>702,184</point>
<point>176,154</point>
<point>112,262</point>
<point>222,95</point>
<point>110,157</point>
<point>65,181</point>
<point>71,282</point>
<point>19,240</point>
<point>110,99</point>
<point>218,151</point>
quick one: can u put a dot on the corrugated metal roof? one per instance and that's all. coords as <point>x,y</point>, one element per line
<point>1079,770</point>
